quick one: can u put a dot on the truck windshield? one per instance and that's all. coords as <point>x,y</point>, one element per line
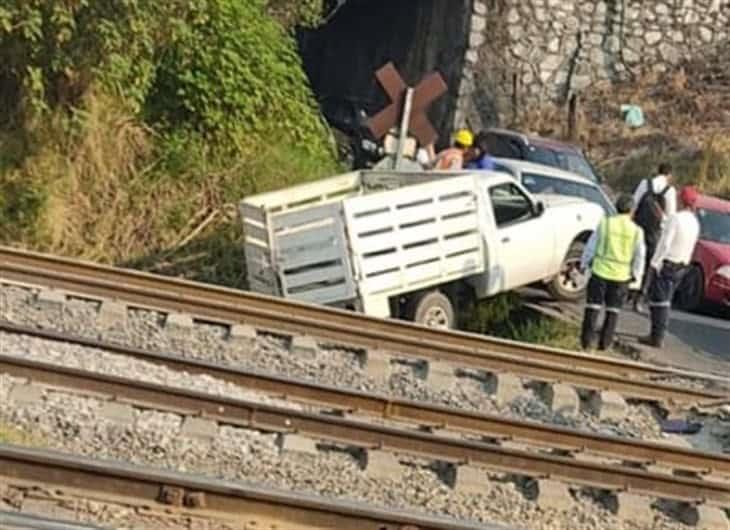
<point>544,184</point>
<point>714,226</point>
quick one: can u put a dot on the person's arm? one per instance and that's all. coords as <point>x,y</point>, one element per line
<point>589,251</point>
<point>671,201</point>
<point>639,259</point>
<point>423,158</point>
<point>436,160</point>
<point>431,151</point>
<point>457,163</point>
<point>639,192</point>
<point>665,242</point>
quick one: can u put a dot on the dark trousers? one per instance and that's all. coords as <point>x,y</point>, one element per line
<point>661,292</point>
<point>602,293</point>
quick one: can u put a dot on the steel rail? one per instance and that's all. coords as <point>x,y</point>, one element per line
<point>206,497</point>
<point>414,412</point>
<point>17,521</point>
<point>230,305</point>
<point>367,435</point>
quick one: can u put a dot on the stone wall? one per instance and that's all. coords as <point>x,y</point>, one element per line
<point>528,51</point>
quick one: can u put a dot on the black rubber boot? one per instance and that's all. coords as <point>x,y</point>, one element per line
<point>652,341</point>
<point>588,332</point>
<point>608,331</point>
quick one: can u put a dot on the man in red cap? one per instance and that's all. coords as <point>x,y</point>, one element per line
<point>671,258</point>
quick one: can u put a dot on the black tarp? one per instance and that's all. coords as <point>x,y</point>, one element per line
<point>419,36</point>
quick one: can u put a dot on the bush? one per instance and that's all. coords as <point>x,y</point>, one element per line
<point>229,70</point>
<point>129,129</point>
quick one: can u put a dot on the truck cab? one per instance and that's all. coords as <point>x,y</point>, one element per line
<point>526,241</point>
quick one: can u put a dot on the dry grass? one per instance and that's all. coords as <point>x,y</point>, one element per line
<point>115,191</point>
<point>687,114</point>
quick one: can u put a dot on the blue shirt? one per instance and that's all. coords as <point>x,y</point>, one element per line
<point>483,162</point>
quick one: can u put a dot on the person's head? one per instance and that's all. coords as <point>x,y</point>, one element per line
<point>688,197</point>
<point>463,139</point>
<point>481,143</point>
<point>624,204</point>
<point>665,168</point>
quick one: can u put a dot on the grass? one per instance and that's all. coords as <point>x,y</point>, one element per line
<point>685,125</point>
<point>12,435</point>
<point>504,316</point>
<point>115,191</point>
<point>707,167</point>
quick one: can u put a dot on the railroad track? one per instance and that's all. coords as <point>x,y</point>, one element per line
<point>17,521</point>
<point>78,477</point>
<point>347,401</point>
<point>232,306</point>
<point>366,435</point>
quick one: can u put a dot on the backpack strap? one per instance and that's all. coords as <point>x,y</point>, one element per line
<point>664,191</point>
<point>650,187</point>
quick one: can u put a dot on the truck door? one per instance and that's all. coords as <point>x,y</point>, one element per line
<point>524,244</point>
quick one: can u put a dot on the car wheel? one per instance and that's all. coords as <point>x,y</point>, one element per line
<point>691,290</point>
<point>569,284</point>
<point>433,309</point>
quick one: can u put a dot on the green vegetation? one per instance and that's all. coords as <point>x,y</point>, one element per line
<point>11,435</point>
<point>505,316</point>
<point>708,167</point>
<point>130,129</point>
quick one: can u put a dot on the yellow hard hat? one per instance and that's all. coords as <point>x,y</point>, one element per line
<point>464,137</point>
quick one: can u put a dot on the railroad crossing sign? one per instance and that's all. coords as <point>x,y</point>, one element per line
<point>426,92</point>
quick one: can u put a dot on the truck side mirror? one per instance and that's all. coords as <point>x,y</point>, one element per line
<point>538,208</point>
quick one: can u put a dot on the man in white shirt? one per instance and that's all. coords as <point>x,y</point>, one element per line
<point>655,200</point>
<point>663,180</point>
<point>669,263</point>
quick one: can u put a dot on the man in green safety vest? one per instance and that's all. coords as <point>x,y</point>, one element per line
<point>615,253</point>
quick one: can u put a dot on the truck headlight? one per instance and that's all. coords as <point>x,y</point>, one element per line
<point>724,272</point>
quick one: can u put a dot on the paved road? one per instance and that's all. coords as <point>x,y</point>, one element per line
<point>696,341</point>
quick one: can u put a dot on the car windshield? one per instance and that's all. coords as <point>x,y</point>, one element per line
<point>540,155</point>
<point>504,169</point>
<point>543,184</point>
<point>714,225</point>
<point>577,164</point>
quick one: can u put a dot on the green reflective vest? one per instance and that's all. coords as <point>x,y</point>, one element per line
<point>617,237</point>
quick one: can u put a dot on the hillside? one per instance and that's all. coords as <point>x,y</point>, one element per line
<point>687,113</point>
<point>128,131</point>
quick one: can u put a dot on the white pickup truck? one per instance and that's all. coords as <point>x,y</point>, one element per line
<point>413,245</point>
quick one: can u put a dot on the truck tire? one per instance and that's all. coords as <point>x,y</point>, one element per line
<point>432,309</point>
<point>563,287</point>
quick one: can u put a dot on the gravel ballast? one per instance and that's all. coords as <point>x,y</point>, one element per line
<point>72,423</point>
<point>333,364</point>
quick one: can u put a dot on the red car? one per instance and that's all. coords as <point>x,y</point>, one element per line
<point>708,280</point>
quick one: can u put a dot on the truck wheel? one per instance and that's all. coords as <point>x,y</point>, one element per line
<point>691,290</point>
<point>569,284</point>
<point>432,309</point>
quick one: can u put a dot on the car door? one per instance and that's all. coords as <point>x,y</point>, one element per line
<point>525,244</point>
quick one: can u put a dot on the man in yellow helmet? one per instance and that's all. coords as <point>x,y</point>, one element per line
<point>453,157</point>
<point>616,254</point>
